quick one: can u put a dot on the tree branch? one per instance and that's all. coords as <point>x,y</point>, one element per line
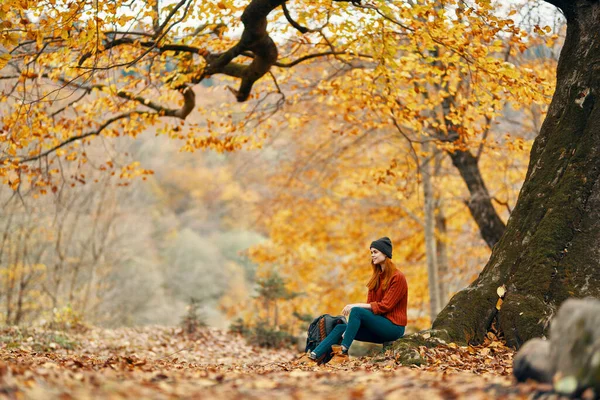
<point>256,39</point>
<point>84,135</point>
<point>153,44</point>
<point>189,103</point>
<point>189,100</point>
<point>316,55</point>
<point>166,21</point>
<point>296,25</point>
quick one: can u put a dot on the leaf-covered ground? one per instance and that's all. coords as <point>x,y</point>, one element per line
<point>163,363</point>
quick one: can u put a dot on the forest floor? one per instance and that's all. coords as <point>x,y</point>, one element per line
<point>164,363</point>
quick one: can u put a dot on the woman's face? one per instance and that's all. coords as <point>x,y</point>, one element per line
<point>376,256</point>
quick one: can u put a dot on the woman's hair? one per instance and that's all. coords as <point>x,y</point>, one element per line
<point>386,275</point>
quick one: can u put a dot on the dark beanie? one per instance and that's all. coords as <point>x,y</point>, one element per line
<point>384,245</point>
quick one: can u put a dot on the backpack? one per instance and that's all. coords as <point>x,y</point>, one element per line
<point>318,330</point>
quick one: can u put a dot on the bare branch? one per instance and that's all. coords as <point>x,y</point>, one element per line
<point>503,203</point>
<point>171,14</point>
<point>410,142</point>
<point>55,113</point>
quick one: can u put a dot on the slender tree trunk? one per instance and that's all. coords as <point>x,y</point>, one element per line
<point>441,254</point>
<point>22,278</point>
<point>441,247</point>
<point>430,252</point>
<point>480,204</point>
<point>9,292</point>
<point>550,249</point>
<point>491,226</point>
<point>20,297</point>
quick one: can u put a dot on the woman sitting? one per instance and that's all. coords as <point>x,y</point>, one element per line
<point>381,319</point>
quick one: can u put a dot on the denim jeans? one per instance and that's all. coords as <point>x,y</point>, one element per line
<point>363,326</point>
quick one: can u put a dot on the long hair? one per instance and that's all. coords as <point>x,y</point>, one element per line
<point>386,275</point>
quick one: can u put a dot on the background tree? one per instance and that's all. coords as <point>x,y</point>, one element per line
<point>360,165</point>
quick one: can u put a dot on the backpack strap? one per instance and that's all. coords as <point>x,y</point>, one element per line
<point>322,329</point>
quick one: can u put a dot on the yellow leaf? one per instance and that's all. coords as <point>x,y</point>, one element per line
<point>498,304</point>
<point>4,59</point>
<point>14,184</point>
<point>501,291</point>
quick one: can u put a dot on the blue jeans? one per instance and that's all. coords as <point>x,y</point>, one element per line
<point>363,326</point>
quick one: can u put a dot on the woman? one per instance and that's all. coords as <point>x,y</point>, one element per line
<point>381,319</point>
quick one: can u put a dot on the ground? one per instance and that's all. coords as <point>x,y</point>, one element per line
<point>165,363</point>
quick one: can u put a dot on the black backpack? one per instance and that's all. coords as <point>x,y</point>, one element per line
<point>318,330</point>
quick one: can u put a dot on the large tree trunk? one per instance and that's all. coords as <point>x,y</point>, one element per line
<point>551,247</point>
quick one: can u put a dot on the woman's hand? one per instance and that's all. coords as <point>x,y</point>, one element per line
<point>346,310</point>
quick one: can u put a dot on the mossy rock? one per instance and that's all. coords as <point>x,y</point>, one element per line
<point>406,349</point>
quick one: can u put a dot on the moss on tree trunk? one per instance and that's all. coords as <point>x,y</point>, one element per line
<point>551,247</point>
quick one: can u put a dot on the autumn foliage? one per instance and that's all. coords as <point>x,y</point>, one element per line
<point>326,125</point>
<point>217,162</point>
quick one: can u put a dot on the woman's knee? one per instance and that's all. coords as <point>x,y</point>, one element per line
<point>358,312</point>
<point>401,331</point>
<point>339,328</point>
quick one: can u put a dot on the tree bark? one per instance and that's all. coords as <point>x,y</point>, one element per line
<point>256,39</point>
<point>430,250</point>
<point>551,247</point>
<point>491,226</point>
<point>441,247</point>
<point>441,254</point>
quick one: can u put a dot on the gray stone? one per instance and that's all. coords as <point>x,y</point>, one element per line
<point>571,357</point>
<point>575,342</point>
<point>532,362</point>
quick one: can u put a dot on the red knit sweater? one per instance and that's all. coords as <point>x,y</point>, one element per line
<point>392,302</point>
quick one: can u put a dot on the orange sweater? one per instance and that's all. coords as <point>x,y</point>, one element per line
<point>392,302</point>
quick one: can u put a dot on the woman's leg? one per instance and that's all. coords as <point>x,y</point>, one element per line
<point>377,328</point>
<point>333,338</point>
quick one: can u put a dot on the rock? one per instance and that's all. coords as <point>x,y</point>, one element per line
<point>571,357</point>
<point>575,342</point>
<point>532,362</point>
<point>387,346</point>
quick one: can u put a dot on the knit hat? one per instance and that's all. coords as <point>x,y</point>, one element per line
<point>384,245</point>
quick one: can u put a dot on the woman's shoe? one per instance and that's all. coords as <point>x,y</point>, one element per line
<point>305,359</point>
<point>339,356</point>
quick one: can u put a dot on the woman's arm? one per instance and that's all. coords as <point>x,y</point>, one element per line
<point>346,310</point>
<point>396,291</point>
